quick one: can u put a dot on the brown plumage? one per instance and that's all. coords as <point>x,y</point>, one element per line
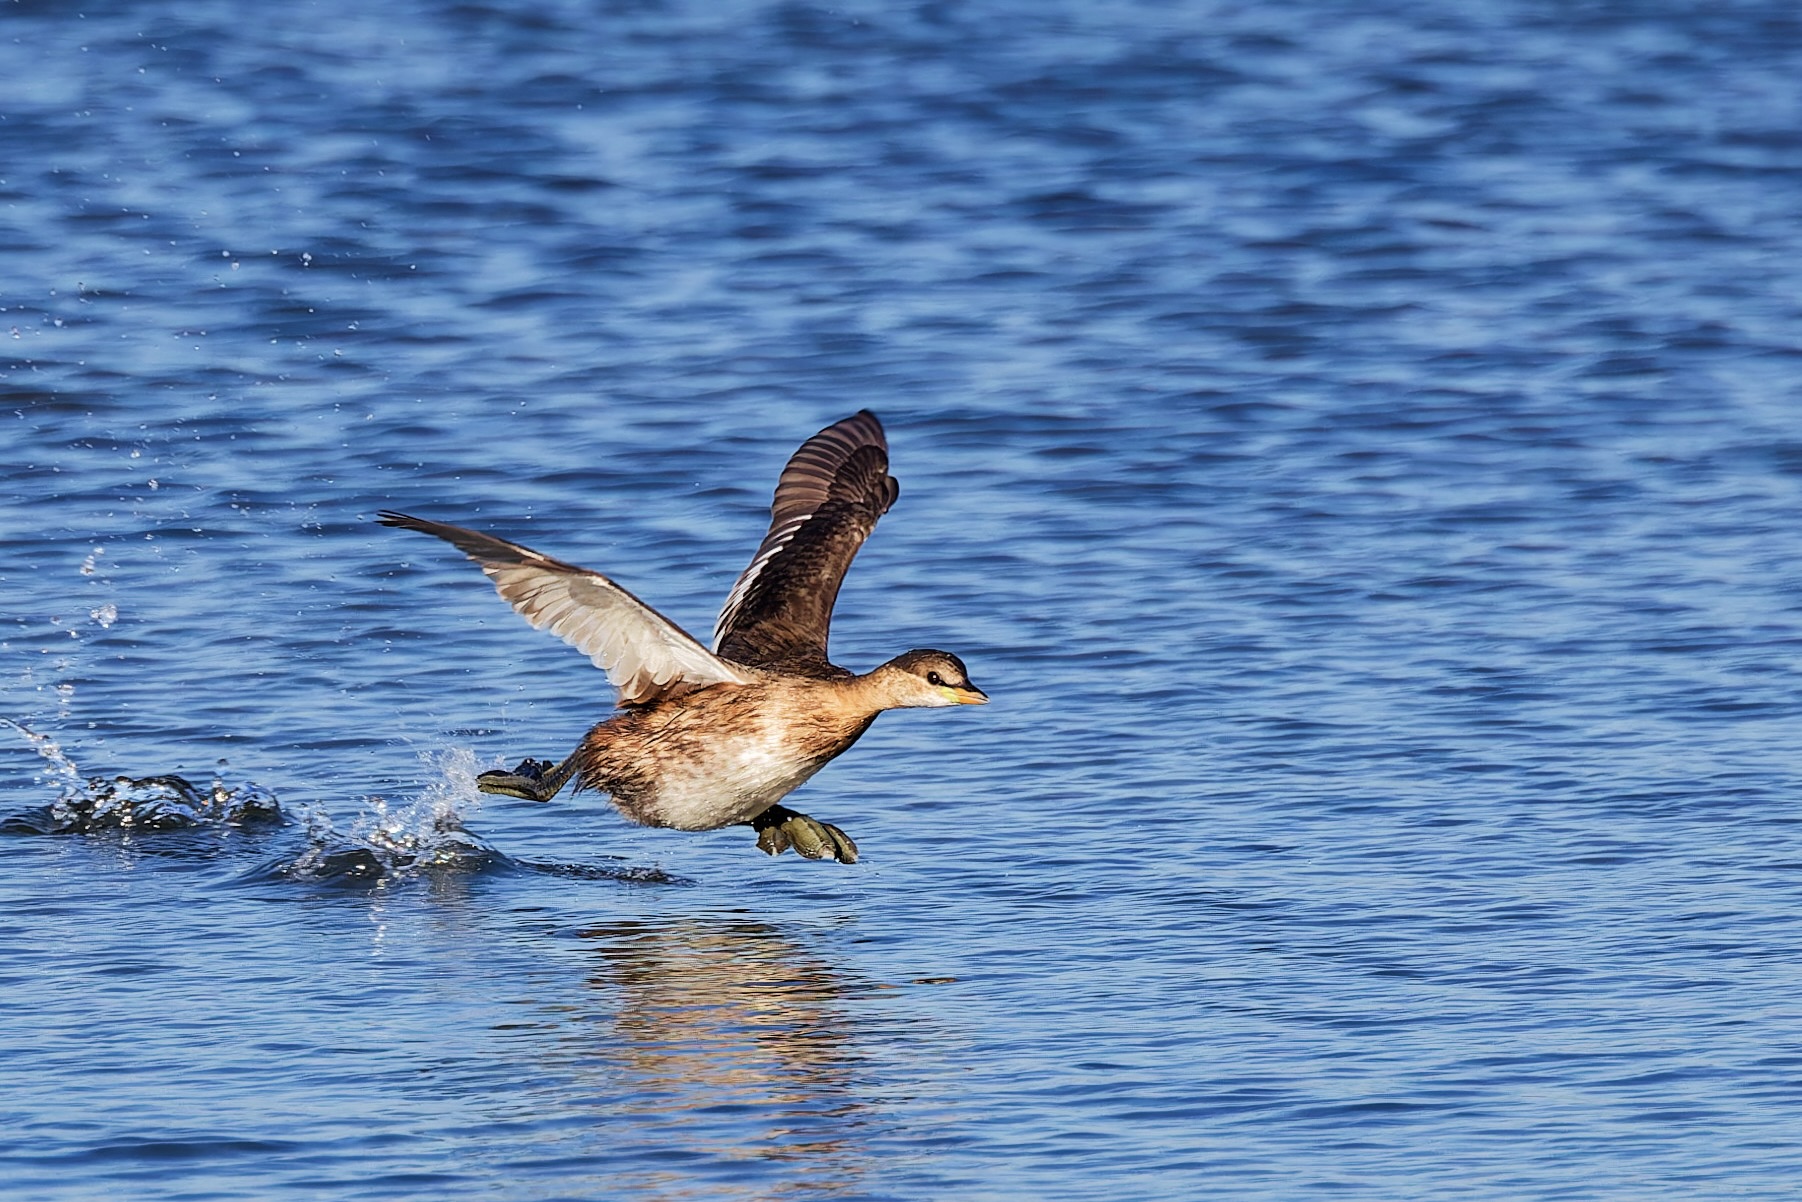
<point>827,503</point>
<point>706,739</point>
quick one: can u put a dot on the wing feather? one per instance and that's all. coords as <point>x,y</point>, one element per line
<point>643,653</point>
<point>827,502</point>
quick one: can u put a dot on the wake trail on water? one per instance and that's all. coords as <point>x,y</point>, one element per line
<point>385,843</point>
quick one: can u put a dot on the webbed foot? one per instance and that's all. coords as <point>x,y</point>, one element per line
<point>780,828</point>
<point>533,780</point>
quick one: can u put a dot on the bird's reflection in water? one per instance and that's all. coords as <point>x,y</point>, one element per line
<point>732,1060</point>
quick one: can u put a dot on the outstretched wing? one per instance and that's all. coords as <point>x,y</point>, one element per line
<point>827,502</point>
<point>643,653</point>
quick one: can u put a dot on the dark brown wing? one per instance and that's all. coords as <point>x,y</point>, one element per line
<point>643,653</point>
<point>827,502</point>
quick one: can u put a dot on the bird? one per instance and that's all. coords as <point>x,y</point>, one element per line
<point>708,738</point>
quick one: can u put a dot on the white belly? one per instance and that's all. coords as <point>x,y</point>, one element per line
<point>732,782</point>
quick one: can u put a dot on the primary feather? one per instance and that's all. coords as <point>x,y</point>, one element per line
<point>643,653</point>
<point>828,500</point>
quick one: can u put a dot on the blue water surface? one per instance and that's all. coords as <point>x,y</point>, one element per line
<point>1358,447</point>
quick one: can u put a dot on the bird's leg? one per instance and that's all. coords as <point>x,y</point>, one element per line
<point>534,780</point>
<point>780,828</point>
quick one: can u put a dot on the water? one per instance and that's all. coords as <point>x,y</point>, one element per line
<point>1355,446</point>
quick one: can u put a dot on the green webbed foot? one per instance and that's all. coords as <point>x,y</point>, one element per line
<point>780,828</point>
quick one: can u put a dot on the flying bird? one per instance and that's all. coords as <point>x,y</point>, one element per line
<point>704,738</point>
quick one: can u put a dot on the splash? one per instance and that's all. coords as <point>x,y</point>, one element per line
<point>384,844</point>
<point>59,771</point>
<point>388,842</point>
<point>148,803</point>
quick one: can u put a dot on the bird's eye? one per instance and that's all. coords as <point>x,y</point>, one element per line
<point>935,678</point>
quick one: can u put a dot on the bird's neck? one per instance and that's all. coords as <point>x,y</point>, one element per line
<point>871,693</point>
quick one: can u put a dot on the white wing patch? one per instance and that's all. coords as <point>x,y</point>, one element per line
<point>773,545</point>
